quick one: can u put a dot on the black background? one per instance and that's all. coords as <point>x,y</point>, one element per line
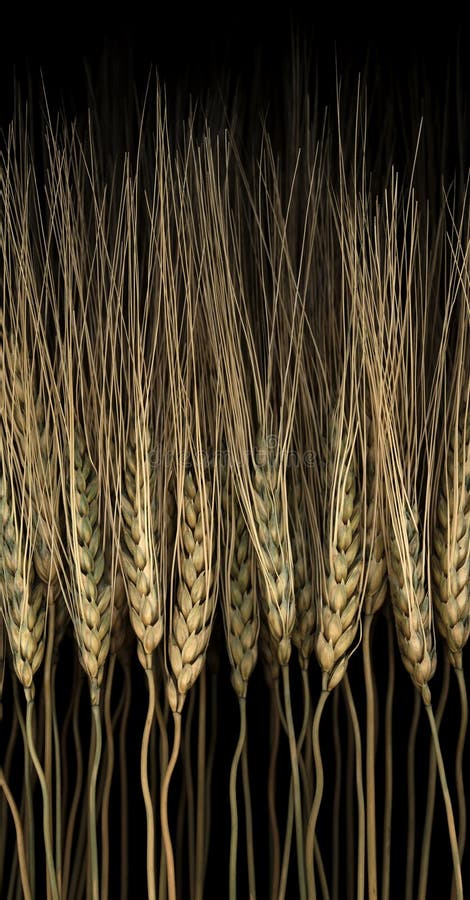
<point>200,43</point>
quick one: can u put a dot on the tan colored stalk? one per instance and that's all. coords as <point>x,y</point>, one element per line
<point>19,837</point>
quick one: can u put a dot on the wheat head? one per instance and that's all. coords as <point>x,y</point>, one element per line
<point>411,605</point>
<point>139,540</point>
<point>92,607</point>
<point>450,560</point>
<point>343,564</point>
<point>194,605</point>
<point>242,613</point>
<point>274,555</point>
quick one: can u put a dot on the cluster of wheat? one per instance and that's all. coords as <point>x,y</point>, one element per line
<point>234,439</point>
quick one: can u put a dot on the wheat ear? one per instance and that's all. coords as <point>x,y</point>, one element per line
<point>23,602</point>
<point>451,541</point>
<point>340,600</point>
<point>195,602</point>
<point>92,608</point>
<point>274,557</point>
<point>242,614</point>
<point>410,602</point>
<point>139,544</point>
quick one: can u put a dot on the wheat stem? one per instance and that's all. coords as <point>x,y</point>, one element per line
<point>161,722</point>
<point>127,690</point>
<point>153,754</point>
<point>370,761</point>
<point>13,880</point>
<point>63,765</point>
<point>201,785</point>
<point>48,714</point>
<point>275,730</point>
<point>361,818</point>
<point>45,797</point>
<point>411,786</point>
<point>431,789</point>
<point>233,802</point>
<point>295,784</point>
<point>4,806</point>
<point>459,757</point>
<point>76,793</point>
<point>19,837</point>
<point>164,807</point>
<point>307,787</point>
<point>448,805</point>
<point>151,888</point>
<point>287,844</point>
<point>28,792</point>
<point>108,779</point>
<point>349,811</point>
<point>59,798</point>
<point>312,822</point>
<point>335,818</point>
<point>93,837</point>
<point>210,760</point>
<point>388,789</point>
<point>250,853</point>
<point>187,798</point>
